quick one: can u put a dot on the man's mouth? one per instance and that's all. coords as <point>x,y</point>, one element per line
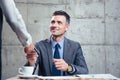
<point>54,29</point>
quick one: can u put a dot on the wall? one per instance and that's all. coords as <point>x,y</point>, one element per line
<point>94,23</point>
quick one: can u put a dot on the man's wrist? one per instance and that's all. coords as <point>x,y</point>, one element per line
<point>69,69</point>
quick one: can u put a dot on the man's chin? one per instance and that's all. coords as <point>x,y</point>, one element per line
<point>57,35</point>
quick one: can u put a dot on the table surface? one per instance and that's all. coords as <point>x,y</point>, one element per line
<point>77,77</point>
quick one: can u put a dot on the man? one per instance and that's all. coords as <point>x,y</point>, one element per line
<point>14,19</point>
<point>70,61</point>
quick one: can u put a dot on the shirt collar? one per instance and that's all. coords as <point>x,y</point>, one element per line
<point>54,43</point>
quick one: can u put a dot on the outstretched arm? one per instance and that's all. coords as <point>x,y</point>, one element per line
<point>15,20</point>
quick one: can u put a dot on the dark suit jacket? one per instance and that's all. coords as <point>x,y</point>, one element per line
<point>72,54</point>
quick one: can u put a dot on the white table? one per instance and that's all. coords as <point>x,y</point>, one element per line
<point>76,77</point>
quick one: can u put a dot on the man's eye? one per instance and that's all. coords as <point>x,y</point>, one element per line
<point>52,22</point>
<point>59,22</point>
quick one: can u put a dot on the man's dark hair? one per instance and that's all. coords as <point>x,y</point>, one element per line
<point>63,13</point>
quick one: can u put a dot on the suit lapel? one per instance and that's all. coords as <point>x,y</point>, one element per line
<point>66,50</point>
<point>49,53</point>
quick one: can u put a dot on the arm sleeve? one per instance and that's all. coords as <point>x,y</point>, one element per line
<point>15,20</point>
<point>80,63</point>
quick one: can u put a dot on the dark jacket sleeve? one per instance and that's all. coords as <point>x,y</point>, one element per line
<point>78,60</point>
<point>80,63</point>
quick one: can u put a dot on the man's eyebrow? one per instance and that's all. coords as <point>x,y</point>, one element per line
<point>59,21</point>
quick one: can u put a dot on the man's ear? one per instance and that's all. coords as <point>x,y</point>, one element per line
<point>67,27</point>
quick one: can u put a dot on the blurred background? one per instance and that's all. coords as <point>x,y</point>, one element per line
<point>94,23</point>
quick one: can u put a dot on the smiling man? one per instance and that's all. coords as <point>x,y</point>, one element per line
<point>59,56</point>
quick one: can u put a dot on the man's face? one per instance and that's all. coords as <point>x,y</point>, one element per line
<point>58,25</point>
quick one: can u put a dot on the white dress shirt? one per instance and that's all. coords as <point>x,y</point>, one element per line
<point>15,20</point>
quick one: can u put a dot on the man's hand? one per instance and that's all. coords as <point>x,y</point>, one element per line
<point>29,49</point>
<point>32,57</point>
<point>60,64</point>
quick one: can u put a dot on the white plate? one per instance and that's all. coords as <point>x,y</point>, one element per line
<point>27,76</point>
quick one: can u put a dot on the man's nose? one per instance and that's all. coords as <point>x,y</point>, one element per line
<point>55,24</point>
